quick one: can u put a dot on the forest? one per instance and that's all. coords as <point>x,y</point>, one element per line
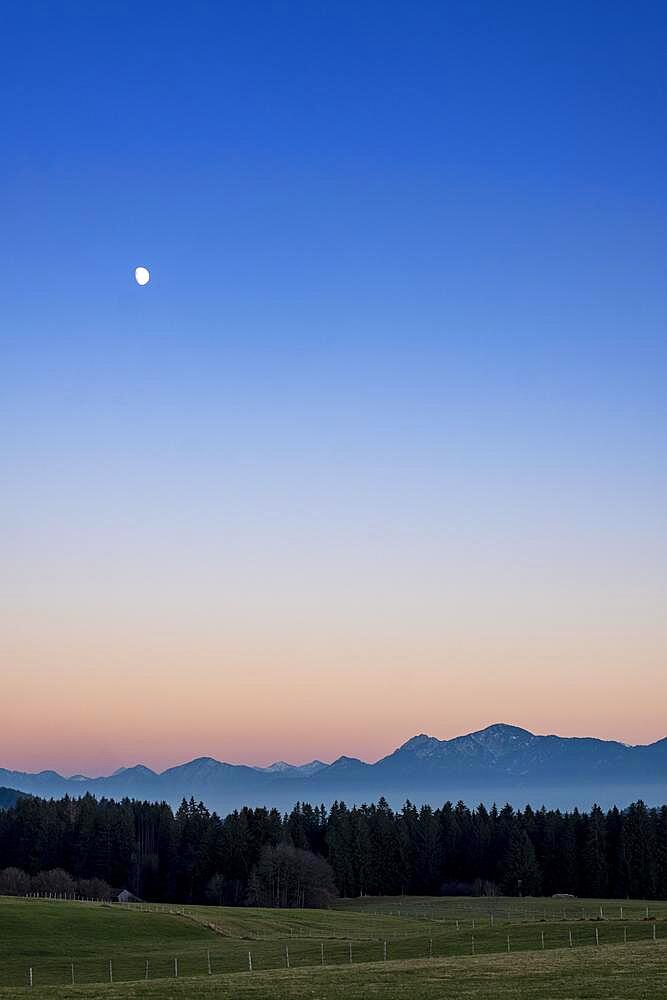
<point>314,854</point>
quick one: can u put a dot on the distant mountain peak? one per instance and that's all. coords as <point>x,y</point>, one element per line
<point>422,745</point>
<point>503,729</point>
<point>312,767</point>
<point>494,742</point>
<point>203,764</point>
<point>421,740</point>
<point>279,765</point>
<point>495,737</point>
<point>501,761</point>
<point>500,732</point>
<point>344,761</point>
<point>133,769</point>
<point>282,767</point>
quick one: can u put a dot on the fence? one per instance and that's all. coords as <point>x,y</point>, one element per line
<point>235,955</point>
<point>461,915</point>
<point>530,912</point>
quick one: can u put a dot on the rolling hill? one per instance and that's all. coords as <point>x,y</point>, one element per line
<point>54,948</point>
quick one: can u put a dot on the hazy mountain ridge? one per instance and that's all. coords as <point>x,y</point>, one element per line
<point>9,797</point>
<point>498,763</point>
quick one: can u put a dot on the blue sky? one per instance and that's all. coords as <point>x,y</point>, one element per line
<point>397,381</point>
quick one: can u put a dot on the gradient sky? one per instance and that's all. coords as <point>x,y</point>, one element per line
<point>381,449</point>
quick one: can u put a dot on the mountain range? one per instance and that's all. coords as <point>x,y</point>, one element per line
<point>498,764</point>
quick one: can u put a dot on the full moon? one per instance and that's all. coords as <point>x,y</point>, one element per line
<point>142,275</point>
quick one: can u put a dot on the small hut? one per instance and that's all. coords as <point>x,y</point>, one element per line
<point>125,896</point>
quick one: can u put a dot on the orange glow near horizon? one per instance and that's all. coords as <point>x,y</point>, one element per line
<point>381,447</point>
<point>94,706</point>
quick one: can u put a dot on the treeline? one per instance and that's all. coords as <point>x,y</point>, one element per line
<point>58,883</point>
<point>302,858</point>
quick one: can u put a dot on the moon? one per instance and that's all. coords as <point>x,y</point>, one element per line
<point>142,275</point>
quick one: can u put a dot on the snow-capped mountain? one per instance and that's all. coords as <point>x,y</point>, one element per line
<point>282,767</point>
<point>500,763</point>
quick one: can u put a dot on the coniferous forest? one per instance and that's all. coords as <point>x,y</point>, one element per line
<point>194,855</point>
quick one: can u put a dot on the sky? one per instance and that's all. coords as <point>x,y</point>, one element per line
<point>381,448</point>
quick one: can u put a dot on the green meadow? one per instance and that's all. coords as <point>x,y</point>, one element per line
<point>509,909</point>
<point>380,947</point>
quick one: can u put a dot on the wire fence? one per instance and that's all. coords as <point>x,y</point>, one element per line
<point>529,912</point>
<point>471,914</point>
<point>242,956</point>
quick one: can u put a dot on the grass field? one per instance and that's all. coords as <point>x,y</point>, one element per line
<point>115,951</point>
<point>636,972</point>
<point>345,923</point>
<point>466,908</point>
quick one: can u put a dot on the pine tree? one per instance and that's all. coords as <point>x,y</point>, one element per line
<point>520,871</point>
<point>595,881</point>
